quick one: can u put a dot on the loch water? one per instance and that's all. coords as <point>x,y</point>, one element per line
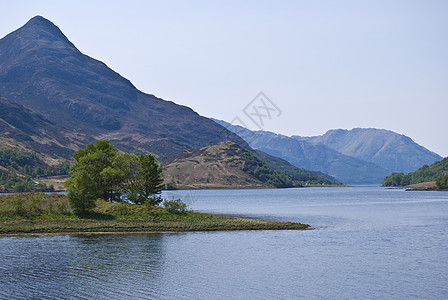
<point>368,243</point>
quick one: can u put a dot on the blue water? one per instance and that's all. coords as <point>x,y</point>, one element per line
<point>369,243</point>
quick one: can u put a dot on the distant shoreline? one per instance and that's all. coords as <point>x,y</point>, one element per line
<point>423,186</point>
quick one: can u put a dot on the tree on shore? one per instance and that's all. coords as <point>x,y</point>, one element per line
<point>143,178</point>
<point>100,172</point>
<point>442,182</point>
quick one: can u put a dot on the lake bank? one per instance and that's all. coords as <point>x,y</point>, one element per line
<point>204,222</point>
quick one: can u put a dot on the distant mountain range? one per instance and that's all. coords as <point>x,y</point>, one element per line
<point>385,148</point>
<point>357,156</point>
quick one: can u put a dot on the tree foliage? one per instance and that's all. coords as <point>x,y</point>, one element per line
<point>100,172</point>
<point>142,178</point>
<point>288,178</point>
<point>442,182</point>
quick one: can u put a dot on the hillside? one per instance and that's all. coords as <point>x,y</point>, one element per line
<point>31,147</point>
<point>424,174</point>
<point>43,71</point>
<point>227,165</point>
<point>217,166</point>
<point>24,130</point>
<point>387,149</point>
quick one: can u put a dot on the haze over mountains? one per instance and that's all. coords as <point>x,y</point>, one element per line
<point>357,156</point>
<point>54,99</point>
<point>387,149</point>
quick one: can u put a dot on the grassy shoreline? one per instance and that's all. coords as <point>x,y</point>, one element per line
<point>38,213</point>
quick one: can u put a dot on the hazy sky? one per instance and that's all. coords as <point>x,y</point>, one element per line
<point>324,64</point>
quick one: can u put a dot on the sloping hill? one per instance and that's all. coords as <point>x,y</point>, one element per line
<point>42,70</point>
<point>24,130</point>
<point>387,149</point>
<point>219,166</point>
<point>227,165</point>
<point>31,147</point>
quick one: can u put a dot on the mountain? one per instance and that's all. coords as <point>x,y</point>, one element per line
<point>303,154</point>
<point>55,99</point>
<point>387,149</point>
<point>43,71</point>
<point>358,156</point>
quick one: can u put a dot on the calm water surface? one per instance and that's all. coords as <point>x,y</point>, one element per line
<point>370,242</point>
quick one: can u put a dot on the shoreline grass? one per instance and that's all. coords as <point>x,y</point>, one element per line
<point>39,213</point>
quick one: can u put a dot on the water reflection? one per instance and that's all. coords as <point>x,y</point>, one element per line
<point>89,266</point>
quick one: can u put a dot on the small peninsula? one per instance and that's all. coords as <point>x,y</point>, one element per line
<point>40,213</point>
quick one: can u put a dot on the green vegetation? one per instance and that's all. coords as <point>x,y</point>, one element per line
<point>435,172</point>
<point>175,206</point>
<point>51,213</point>
<point>99,182</point>
<point>289,178</point>
<point>266,174</point>
<point>19,171</point>
<point>10,181</point>
<point>442,182</point>
<point>100,172</point>
<point>30,164</point>
<point>28,206</point>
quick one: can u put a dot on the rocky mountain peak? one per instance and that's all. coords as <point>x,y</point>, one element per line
<point>37,33</point>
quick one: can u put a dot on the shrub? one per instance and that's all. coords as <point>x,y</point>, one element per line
<point>175,206</point>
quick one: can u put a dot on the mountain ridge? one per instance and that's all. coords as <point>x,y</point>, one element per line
<point>385,148</point>
<point>310,153</point>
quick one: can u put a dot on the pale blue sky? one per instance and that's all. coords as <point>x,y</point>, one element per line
<point>325,64</point>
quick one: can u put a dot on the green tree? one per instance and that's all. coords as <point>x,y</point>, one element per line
<point>81,191</point>
<point>100,172</point>
<point>396,179</point>
<point>93,160</point>
<point>143,178</point>
<point>91,177</point>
